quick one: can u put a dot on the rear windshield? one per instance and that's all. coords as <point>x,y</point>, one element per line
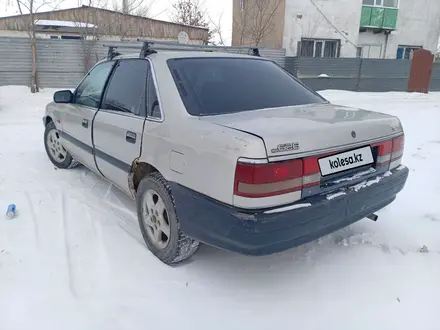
<point>213,86</point>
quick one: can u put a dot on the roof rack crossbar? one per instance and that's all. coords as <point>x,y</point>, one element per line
<point>149,47</point>
<point>111,52</point>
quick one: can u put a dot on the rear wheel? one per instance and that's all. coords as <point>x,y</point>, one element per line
<point>159,222</point>
<point>55,150</point>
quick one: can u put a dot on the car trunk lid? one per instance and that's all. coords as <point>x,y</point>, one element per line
<point>310,129</point>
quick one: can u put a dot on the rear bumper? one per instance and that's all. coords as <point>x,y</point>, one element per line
<point>261,233</point>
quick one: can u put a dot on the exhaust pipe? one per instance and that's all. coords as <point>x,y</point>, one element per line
<point>373,217</point>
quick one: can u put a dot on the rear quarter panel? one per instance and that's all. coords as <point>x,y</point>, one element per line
<point>196,154</point>
<point>199,155</point>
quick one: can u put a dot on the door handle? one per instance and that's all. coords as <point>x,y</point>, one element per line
<point>85,123</point>
<point>130,137</point>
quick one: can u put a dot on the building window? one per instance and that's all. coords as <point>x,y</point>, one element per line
<point>54,37</point>
<point>72,37</point>
<point>319,47</point>
<point>405,52</point>
<point>371,51</point>
<point>381,3</point>
<point>242,5</point>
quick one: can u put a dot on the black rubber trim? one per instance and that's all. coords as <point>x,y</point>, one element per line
<point>113,161</point>
<point>76,142</point>
<point>98,153</point>
<point>255,232</point>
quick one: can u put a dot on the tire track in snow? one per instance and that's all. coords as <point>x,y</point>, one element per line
<point>86,251</point>
<point>33,218</point>
<point>68,251</point>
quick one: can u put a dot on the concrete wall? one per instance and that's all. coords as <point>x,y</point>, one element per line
<point>418,24</point>
<point>373,44</point>
<point>303,20</point>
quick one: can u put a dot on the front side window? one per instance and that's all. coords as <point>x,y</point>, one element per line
<point>127,87</point>
<point>90,90</point>
<point>212,86</point>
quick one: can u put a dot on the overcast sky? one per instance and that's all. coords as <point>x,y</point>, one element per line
<point>160,10</point>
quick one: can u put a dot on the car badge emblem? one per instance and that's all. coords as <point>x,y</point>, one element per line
<point>353,134</point>
<point>286,147</point>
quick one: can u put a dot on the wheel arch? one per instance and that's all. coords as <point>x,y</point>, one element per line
<point>47,120</point>
<point>138,171</point>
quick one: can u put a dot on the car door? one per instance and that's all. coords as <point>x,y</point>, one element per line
<point>118,125</point>
<point>76,120</point>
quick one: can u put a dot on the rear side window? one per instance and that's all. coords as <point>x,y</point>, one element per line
<point>126,91</point>
<point>213,86</point>
<point>153,108</point>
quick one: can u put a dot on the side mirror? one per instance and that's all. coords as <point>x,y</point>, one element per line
<point>65,96</point>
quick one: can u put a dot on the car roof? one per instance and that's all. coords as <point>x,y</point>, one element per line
<point>170,54</point>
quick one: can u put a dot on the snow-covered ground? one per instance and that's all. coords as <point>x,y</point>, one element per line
<point>73,258</point>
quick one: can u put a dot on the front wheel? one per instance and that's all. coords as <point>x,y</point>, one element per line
<point>159,222</point>
<point>55,150</point>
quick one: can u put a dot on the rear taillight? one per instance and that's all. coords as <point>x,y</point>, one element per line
<point>272,179</point>
<point>390,152</point>
<point>397,152</point>
<point>312,174</point>
<point>265,180</point>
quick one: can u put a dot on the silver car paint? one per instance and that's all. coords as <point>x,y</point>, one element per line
<point>109,136</point>
<point>71,122</point>
<point>322,126</point>
<point>201,153</point>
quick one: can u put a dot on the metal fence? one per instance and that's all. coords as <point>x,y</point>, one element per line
<point>62,64</point>
<point>356,74</point>
<point>435,77</point>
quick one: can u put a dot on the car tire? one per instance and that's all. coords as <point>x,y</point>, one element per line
<point>159,222</point>
<point>59,156</point>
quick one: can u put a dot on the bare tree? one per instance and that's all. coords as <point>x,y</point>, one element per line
<point>134,7</point>
<point>128,9</point>
<point>216,31</point>
<point>27,10</point>
<point>257,20</point>
<point>312,27</point>
<point>92,28</point>
<point>240,26</point>
<point>191,12</point>
<point>85,21</point>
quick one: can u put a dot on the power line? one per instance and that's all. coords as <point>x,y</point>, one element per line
<point>330,22</point>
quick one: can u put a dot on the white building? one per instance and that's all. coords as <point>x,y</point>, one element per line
<point>347,28</point>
